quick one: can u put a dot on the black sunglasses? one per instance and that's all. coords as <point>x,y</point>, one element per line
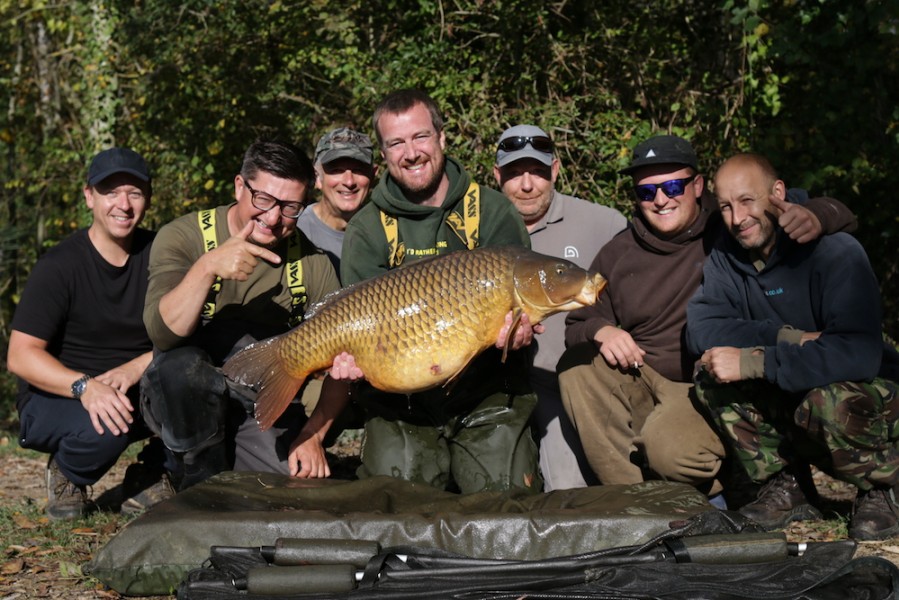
<point>672,188</point>
<point>539,143</point>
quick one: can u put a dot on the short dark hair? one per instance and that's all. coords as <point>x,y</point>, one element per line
<point>401,101</point>
<point>281,159</point>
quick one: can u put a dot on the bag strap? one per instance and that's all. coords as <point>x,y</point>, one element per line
<point>206,221</point>
<point>466,226</point>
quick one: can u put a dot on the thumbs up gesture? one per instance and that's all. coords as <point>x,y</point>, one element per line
<point>799,222</point>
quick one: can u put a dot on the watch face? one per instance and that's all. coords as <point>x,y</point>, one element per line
<point>78,388</point>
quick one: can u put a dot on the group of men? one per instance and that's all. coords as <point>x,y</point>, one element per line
<point>759,283</point>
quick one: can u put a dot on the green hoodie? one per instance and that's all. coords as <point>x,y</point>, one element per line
<point>424,232</point>
<point>423,229</point>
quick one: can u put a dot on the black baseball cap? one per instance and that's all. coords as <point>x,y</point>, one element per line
<point>662,149</point>
<point>117,160</point>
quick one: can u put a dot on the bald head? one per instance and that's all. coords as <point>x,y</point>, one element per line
<point>747,187</point>
<point>747,164</point>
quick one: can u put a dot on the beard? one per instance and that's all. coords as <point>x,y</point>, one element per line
<point>428,188</point>
<point>765,238</point>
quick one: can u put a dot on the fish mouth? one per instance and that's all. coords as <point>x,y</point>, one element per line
<point>593,287</point>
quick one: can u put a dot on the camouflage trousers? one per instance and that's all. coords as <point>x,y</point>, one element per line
<point>850,430</point>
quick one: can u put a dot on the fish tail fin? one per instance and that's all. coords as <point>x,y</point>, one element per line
<point>259,365</point>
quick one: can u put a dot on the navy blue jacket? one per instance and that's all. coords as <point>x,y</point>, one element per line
<point>827,286</point>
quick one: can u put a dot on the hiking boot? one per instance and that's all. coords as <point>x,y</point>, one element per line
<point>143,487</point>
<point>780,501</point>
<point>65,500</point>
<point>875,515</point>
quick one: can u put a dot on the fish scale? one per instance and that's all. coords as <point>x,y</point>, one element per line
<point>416,327</point>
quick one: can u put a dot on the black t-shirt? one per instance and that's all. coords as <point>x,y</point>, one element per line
<point>89,311</point>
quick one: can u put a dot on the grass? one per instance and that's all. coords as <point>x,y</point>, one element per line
<point>42,557</point>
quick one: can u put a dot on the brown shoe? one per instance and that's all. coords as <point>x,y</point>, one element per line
<point>875,515</point>
<point>143,487</point>
<point>780,501</point>
<point>65,500</point>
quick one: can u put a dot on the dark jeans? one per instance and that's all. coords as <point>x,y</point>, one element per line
<point>206,420</point>
<point>62,427</point>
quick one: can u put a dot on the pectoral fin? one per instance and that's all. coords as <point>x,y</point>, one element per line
<point>510,335</point>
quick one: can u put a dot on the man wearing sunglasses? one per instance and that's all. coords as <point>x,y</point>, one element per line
<point>219,280</point>
<point>794,367</point>
<point>567,227</point>
<point>626,377</point>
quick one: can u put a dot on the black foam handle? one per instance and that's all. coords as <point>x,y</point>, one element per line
<point>309,579</point>
<point>298,551</point>
<point>738,548</point>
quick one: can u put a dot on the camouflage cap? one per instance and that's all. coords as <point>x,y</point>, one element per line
<point>343,143</point>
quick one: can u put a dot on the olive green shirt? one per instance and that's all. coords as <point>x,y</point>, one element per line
<point>264,299</point>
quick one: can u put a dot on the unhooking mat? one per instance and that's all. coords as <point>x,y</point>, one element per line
<point>155,551</point>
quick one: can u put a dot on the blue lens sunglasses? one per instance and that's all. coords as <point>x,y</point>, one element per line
<point>672,188</point>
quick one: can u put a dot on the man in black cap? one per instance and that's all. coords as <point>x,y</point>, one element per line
<point>79,346</point>
<point>344,170</point>
<point>626,377</point>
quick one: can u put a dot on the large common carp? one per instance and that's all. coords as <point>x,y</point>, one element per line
<point>415,327</point>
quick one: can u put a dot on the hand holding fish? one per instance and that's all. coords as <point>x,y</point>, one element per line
<point>416,327</point>
<point>344,368</point>
<point>524,332</point>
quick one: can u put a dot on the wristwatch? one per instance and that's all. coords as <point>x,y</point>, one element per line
<point>79,386</point>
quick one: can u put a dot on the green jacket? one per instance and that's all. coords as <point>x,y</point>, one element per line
<point>423,229</point>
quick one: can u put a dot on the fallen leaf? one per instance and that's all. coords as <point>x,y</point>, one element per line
<point>23,522</point>
<point>68,569</point>
<point>12,567</point>
<point>893,549</point>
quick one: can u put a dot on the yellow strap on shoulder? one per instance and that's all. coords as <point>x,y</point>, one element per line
<point>472,208</point>
<point>206,220</point>
<point>466,225</point>
<point>395,251</point>
<point>295,281</point>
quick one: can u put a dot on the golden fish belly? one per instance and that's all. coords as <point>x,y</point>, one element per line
<point>407,333</point>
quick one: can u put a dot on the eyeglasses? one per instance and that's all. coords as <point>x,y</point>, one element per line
<point>266,202</point>
<point>540,143</point>
<point>672,188</point>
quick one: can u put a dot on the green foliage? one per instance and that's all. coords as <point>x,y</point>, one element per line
<point>835,64</point>
<point>813,84</point>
